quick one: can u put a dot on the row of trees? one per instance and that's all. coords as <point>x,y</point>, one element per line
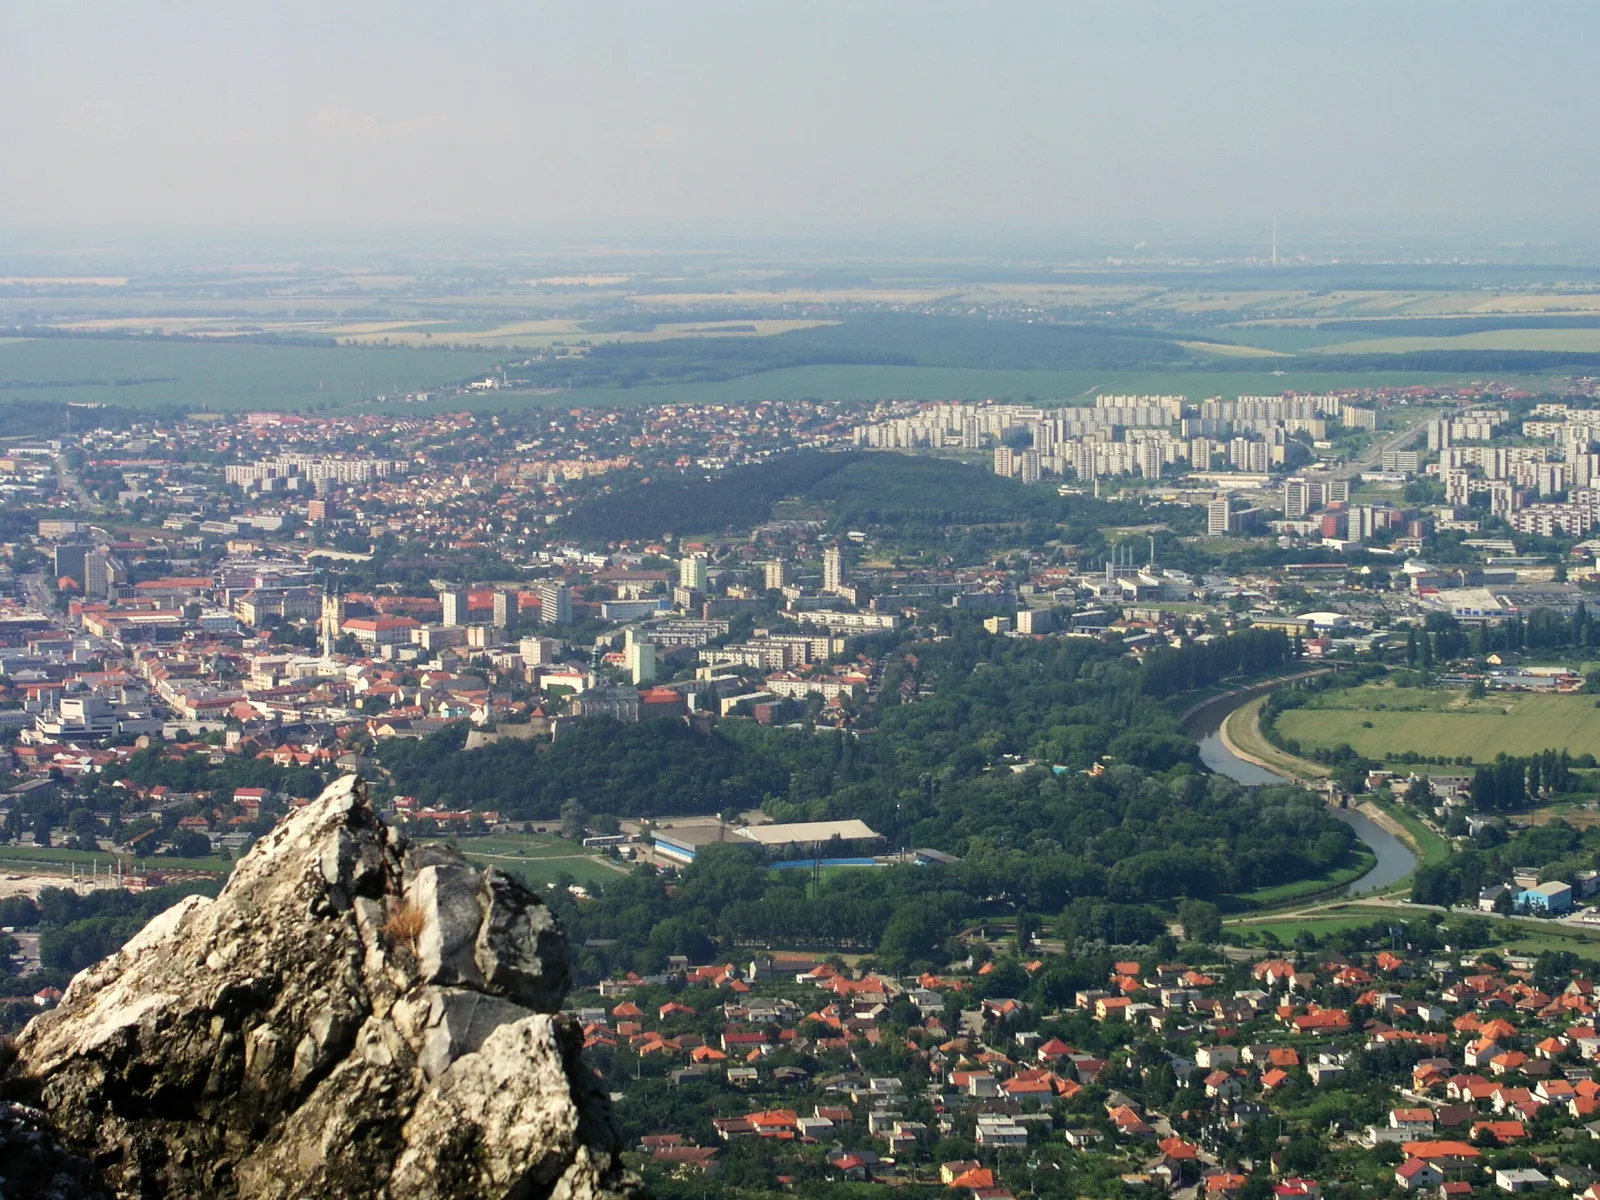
<point>1508,783</point>
<point>1167,671</point>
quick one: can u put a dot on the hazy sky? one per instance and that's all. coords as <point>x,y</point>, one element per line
<point>798,116</point>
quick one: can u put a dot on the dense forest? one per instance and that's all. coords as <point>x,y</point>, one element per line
<point>876,339</point>
<point>51,418</point>
<point>652,769</point>
<point>1130,839</point>
<point>898,496</point>
<point>892,489</point>
<point>735,499</point>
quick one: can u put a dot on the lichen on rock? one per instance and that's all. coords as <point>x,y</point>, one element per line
<point>352,1016</point>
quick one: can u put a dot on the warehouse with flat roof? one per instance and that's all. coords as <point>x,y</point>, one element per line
<point>684,841</point>
<point>809,833</point>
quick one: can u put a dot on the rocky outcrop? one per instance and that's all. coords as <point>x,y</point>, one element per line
<point>33,1165</point>
<point>350,1017</point>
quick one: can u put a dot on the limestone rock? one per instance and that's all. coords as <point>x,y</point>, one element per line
<point>350,1017</point>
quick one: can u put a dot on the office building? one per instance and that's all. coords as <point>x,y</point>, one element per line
<point>69,561</point>
<point>103,576</point>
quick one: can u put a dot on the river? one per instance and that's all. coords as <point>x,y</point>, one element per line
<point>1395,861</point>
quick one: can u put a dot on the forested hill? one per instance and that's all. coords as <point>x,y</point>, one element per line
<point>860,491</point>
<point>736,499</point>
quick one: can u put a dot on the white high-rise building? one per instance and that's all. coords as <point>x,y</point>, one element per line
<point>454,604</point>
<point>1005,462</point>
<point>1218,517</point>
<point>539,651</point>
<point>640,657</point>
<point>1296,499</point>
<point>833,569</point>
<point>692,572</point>
<point>555,604</point>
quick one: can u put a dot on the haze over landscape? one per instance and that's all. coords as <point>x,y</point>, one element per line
<point>624,120</point>
<point>905,600</point>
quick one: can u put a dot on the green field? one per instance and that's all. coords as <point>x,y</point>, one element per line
<point>955,383</point>
<point>196,375</point>
<point>22,858</point>
<point>1509,724</point>
<point>205,375</point>
<point>541,873</point>
<point>1585,340</point>
<point>538,859</point>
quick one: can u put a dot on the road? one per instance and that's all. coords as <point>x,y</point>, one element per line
<point>72,486</point>
<point>38,595</point>
<point>1373,455</point>
<point>1403,907</point>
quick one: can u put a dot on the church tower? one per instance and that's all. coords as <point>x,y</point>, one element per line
<point>332,621</point>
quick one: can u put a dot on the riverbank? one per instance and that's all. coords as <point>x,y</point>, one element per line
<point>1395,858</point>
<point>1254,687</point>
<point>1241,733</point>
<point>1429,845</point>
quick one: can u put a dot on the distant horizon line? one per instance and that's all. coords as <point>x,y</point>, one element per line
<point>644,254</point>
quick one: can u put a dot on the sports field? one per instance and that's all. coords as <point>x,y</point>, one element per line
<point>539,859</point>
<point>1508,723</point>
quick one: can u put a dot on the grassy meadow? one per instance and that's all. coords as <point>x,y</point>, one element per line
<point>1378,721</point>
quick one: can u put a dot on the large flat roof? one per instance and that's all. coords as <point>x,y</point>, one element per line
<point>809,831</point>
<point>695,835</point>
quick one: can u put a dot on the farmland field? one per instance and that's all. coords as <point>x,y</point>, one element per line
<point>196,375</point>
<point>1512,724</point>
<point>1587,340</point>
<point>223,376</point>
